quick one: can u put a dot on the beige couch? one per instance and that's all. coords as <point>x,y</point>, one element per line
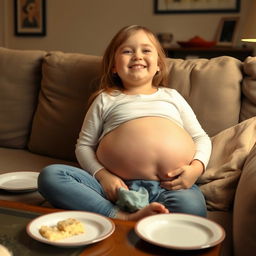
<point>43,99</point>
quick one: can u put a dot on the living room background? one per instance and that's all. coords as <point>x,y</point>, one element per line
<point>86,26</point>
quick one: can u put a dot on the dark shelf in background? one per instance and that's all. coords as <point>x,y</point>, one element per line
<point>203,52</point>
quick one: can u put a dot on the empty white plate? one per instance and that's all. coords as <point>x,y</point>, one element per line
<point>19,181</point>
<point>180,231</point>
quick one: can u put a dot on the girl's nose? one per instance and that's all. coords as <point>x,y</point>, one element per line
<point>137,56</point>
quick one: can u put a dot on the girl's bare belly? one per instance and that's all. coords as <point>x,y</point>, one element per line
<point>145,148</point>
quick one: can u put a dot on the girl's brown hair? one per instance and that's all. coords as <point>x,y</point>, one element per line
<point>110,81</point>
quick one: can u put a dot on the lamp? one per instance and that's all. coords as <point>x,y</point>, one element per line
<point>249,31</point>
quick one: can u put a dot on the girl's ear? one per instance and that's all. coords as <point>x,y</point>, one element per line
<point>158,68</point>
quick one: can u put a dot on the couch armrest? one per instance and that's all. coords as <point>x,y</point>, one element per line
<point>248,106</point>
<point>244,222</point>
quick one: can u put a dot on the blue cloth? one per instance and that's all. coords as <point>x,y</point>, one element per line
<point>72,188</point>
<point>131,201</point>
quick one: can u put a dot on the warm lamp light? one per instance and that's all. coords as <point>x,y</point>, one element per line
<point>249,31</point>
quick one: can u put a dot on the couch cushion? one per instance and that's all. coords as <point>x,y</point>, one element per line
<point>68,80</point>
<point>211,87</point>
<point>22,160</point>
<point>20,75</point>
<point>229,152</point>
<point>15,160</point>
<point>66,85</point>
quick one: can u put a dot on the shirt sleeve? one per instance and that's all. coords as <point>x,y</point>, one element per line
<point>193,127</point>
<point>89,136</point>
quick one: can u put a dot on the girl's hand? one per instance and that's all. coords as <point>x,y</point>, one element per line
<point>110,183</point>
<point>183,177</point>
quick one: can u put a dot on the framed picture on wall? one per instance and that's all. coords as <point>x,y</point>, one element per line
<point>29,17</point>
<point>196,6</point>
<point>226,31</point>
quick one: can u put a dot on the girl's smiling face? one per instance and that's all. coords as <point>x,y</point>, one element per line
<point>136,62</point>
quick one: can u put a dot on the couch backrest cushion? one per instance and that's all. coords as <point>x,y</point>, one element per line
<point>212,88</point>
<point>248,108</point>
<point>68,81</point>
<point>20,75</point>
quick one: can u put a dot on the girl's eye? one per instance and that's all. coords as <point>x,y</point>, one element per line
<point>127,51</point>
<point>147,50</point>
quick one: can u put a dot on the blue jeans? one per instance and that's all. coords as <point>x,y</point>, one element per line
<point>72,188</point>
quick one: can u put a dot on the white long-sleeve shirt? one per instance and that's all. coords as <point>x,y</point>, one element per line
<point>108,111</point>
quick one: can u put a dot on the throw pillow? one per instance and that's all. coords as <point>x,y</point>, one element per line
<point>230,149</point>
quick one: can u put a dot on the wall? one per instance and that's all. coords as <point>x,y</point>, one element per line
<point>87,26</point>
<point>2,25</point>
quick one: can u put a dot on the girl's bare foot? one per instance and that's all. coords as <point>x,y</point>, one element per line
<point>151,209</point>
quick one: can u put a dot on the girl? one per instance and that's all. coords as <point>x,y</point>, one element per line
<point>136,134</point>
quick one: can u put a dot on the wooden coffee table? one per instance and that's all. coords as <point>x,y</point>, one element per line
<point>123,241</point>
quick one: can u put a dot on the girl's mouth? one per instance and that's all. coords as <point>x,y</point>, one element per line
<point>137,66</point>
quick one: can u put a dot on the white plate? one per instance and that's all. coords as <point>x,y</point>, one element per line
<point>19,181</point>
<point>180,231</point>
<point>97,228</point>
